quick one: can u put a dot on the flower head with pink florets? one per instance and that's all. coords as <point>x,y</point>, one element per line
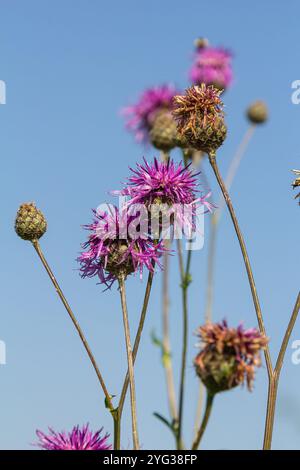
<point>212,66</point>
<point>169,184</point>
<point>118,246</point>
<point>78,439</point>
<point>140,116</point>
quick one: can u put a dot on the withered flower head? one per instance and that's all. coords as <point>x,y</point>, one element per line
<point>296,183</point>
<point>200,118</point>
<point>229,356</point>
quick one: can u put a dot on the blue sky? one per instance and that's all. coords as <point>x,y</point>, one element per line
<point>69,66</point>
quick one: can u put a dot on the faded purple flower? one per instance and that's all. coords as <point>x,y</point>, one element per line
<point>229,356</point>
<point>166,183</point>
<point>212,66</point>
<point>77,439</point>
<point>118,245</point>
<point>139,117</point>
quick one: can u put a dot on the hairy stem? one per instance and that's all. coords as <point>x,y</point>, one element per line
<point>208,408</point>
<point>273,385</point>
<point>76,324</point>
<point>130,363</point>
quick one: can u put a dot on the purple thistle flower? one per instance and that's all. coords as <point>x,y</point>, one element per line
<point>77,439</point>
<point>167,183</point>
<point>212,66</point>
<point>141,115</point>
<point>117,246</point>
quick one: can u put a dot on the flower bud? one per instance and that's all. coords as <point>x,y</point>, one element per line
<point>30,222</point>
<point>163,132</point>
<point>210,136</point>
<point>257,112</point>
<point>201,43</point>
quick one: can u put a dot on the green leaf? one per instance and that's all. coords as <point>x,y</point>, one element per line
<point>164,420</point>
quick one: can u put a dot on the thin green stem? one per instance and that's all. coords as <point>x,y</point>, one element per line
<point>185,281</point>
<point>108,400</point>
<point>117,430</point>
<point>130,363</point>
<point>208,408</point>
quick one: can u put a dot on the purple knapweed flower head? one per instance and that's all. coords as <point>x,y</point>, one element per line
<point>78,439</point>
<point>212,66</point>
<point>118,245</point>
<point>140,116</point>
<point>229,356</point>
<point>169,185</point>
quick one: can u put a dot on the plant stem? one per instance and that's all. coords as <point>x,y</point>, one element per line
<point>273,385</point>
<point>200,401</point>
<point>214,224</point>
<point>234,165</point>
<point>130,363</point>
<point>287,336</point>
<point>184,274</point>
<point>167,360</point>
<point>164,156</point>
<point>108,400</point>
<point>210,268</point>
<point>117,430</point>
<point>119,409</point>
<point>212,160</point>
<point>208,408</point>
<point>137,340</point>
<point>215,218</point>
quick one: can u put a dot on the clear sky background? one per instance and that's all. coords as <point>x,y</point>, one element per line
<point>69,66</point>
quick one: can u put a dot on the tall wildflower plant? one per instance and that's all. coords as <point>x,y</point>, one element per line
<point>163,199</point>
